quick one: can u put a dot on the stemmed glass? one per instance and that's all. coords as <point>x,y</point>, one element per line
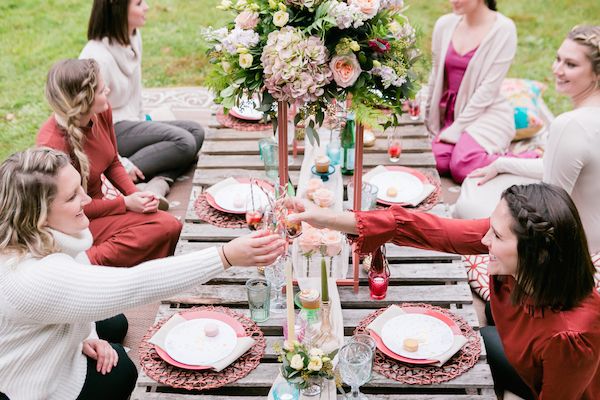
<point>275,274</point>
<point>253,207</point>
<point>355,367</point>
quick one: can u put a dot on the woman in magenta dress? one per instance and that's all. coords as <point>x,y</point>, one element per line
<point>471,122</point>
<point>128,229</point>
<point>545,342</point>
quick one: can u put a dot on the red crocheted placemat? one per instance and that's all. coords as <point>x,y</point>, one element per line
<point>167,374</point>
<point>460,363</point>
<point>229,121</point>
<point>426,204</point>
<point>208,213</point>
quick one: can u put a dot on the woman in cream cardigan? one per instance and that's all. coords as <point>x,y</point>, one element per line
<point>49,297</point>
<point>473,124</point>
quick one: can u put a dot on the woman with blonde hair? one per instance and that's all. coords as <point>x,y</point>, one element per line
<point>473,124</point>
<point>49,297</point>
<point>128,229</point>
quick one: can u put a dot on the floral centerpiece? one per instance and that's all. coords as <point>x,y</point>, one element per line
<point>301,365</point>
<point>311,52</point>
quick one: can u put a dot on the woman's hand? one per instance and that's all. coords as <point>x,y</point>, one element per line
<point>136,174</point>
<point>322,217</point>
<point>486,173</point>
<point>101,350</point>
<point>256,249</point>
<point>141,202</point>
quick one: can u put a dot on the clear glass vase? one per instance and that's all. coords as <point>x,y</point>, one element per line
<point>313,387</point>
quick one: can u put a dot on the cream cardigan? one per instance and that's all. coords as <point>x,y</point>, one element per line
<point>480,110</point>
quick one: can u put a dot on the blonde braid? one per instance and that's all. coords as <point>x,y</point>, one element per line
<point>589,36</point>
<point>70,90</point>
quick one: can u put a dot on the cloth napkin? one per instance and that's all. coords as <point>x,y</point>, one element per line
<point>415,201</point>
<point>243,343</point>
<point>214,189</point>
<point>393,311</point>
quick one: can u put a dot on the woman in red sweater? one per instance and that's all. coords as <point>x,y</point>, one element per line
<point>128,229</point>
<point>546,340</point>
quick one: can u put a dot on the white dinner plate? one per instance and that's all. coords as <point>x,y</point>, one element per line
<point>407,186</point>
<point>236,198</point>
<point>188,344</point>
<point>434,336</point>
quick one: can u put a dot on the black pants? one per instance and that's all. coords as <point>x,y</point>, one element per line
<point>164,148</point>
<point>120,381</point>
<point>505,376</point>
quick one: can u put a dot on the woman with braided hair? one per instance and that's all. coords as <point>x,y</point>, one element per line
<point>128,229</point>
<point>472,123</point>
<point>545,342</point>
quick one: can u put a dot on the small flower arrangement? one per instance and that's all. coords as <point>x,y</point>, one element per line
<point>301,363</point>
<point>311,52</point>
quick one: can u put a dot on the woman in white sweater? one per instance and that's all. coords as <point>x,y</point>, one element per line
<point>49,299</point>
<point>572,157</point>
<point>163,150</point>
<point>472,50</point>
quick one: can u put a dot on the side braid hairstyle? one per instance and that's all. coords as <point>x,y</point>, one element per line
<point>491,5</point>
<point>589,36</point>
<point>554,268</point>
<point>70,91</point>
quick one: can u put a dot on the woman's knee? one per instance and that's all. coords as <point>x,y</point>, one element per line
<point>113,329</point>
<point>197,132</point>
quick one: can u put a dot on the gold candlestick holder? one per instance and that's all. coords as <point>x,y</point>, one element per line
<point>326,340</point>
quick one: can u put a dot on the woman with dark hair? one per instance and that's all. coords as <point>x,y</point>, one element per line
<point>546,340</point>
<point>472,123</point>
<point>159,150</point>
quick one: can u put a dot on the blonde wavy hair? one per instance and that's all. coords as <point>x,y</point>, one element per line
<point>28,185</point>
<point>589,36</point>
<point>70,90</point>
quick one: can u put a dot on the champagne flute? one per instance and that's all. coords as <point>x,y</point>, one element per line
<point>355,367</point>
<point>275,274</point>
<point>253,208</point>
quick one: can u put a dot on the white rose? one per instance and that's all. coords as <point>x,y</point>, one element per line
<point>315,364</point>
<point>226,66</point>
<point>280,18</point>
<point>297,362</point>
<point>246,20</point>
<point>316,352</point>
<point>246,60</point>
<point>225,5</point>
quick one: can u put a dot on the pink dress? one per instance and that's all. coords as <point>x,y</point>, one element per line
<point>460,159</point>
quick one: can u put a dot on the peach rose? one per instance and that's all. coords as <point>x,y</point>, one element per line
<point>346,70</point>
<point>312,185</point>
<point>310,240</point>
<point>323,197</point>
<point>367,7</point>
<point>332,241</point>
<point>246,20</point>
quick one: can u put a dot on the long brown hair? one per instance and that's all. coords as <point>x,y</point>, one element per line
<point>28,186</point>
<point>554,268</point>
<point>70,91</point>
<point>109,20</point>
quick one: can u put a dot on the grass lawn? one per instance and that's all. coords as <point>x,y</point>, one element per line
<point>34,34</point>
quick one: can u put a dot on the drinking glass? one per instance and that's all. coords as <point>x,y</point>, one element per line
<point>259,296</point>
<point>394,145</point>
<point>286,391</point>
<point>355,367</point>
<point>369,341</point>
<point>275,274</point>
<point>368,199</point>
<point>254,209</point>
<point>378,283</point>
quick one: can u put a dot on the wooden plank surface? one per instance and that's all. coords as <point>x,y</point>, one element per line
<point>142,395</point>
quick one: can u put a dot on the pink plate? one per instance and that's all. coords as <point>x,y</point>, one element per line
<point>229,320</point>
<point>416,310</point>
<point>408,170</point>
<point>211,200</point>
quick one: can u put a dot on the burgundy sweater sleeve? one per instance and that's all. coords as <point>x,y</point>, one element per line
<point>115,171</point>
<point>421,230</point>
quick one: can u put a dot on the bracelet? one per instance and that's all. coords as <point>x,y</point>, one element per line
<point>225,257</point>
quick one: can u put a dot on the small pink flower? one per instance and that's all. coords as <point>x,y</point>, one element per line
<point>332,241</point>
<point>379,45</point>
<point>323,197</point>
<point>312,185</point>
<point>367,7</point>
<point>246,20</point>
<point>346,70</point>
<point>310,240</point>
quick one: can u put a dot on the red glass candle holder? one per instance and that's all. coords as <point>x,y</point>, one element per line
<point>378,283</point>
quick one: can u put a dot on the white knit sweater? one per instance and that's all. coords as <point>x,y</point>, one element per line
<point>47,306</point>
<point>121,69</point>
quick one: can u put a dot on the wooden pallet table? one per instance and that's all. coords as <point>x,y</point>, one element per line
<point>417,276</point>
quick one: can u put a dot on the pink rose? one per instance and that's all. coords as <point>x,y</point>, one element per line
<point>367,7</point>
<point>323,197</point>
<point>346,70</point>
<point>332,240</point>
<point>310,240</point>
<point>246,20</point>
<point>312,185</point>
